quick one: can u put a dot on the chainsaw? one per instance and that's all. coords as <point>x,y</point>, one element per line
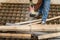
<point>31,9</point>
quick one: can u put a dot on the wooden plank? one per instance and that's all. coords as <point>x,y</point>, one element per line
<point>53,18</point>
<point>37,21</point>
<point>33,27</point>
<point>51,35</point>
<point>13,35</point>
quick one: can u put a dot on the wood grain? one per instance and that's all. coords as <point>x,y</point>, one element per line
<point>13,35</point>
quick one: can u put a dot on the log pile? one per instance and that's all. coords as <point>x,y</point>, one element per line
<point>17,12</point>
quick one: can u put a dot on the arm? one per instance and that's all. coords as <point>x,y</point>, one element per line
<point>38,5</point>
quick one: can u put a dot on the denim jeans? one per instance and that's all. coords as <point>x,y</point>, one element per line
<point>44,9</point>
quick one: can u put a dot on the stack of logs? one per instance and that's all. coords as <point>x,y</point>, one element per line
<point>13,12</point>
<point>18,12</point>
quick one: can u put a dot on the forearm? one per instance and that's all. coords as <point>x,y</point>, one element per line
<point>38,5</point>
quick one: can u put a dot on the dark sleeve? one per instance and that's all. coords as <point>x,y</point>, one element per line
<point>36,7</point>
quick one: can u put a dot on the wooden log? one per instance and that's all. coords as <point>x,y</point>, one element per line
<point>51,35</point>
<point>48,28</point>
<point>37,21</point>
<point>53,18</point>
<point>34,27</point>
<point>13,35</point>
<point>27,22</point>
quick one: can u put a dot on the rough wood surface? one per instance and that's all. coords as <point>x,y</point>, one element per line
<point>13,35</point>
<point>33,27</point>
<point>51,35</point>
